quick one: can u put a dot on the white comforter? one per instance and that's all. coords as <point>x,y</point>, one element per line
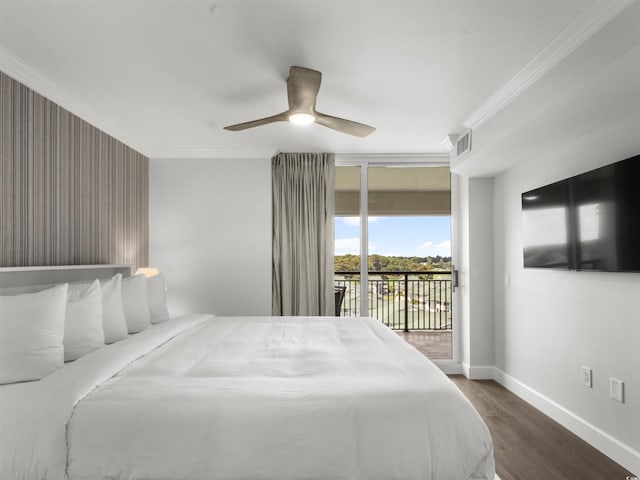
<point>246,398</point>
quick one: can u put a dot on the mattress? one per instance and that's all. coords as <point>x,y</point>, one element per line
<point>202,397</point>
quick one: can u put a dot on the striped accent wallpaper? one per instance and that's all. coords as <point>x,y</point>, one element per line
<point>69,193</point>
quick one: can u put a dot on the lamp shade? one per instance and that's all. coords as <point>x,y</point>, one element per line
<point>148,271</point>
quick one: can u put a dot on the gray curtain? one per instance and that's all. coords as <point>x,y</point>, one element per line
<point>303,205</point>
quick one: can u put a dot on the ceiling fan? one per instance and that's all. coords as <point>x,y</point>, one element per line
<point>302,89</point>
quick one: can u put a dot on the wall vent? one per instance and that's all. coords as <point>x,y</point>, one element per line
<point>463,144</point>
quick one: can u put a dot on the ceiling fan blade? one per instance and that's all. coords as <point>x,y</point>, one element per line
<point>281,117</point>
<point>303,85</point>
<point>302,89</point>
<point>344,126</point>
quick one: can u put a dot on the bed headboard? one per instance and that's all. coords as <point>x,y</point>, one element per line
<point>27,276</point>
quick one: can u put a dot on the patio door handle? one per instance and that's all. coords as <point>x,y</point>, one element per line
<point>454,278</point>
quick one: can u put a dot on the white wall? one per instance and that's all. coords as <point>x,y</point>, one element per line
<point>474,234</point>
<point>210,233</point>
<point>481,274</point>
<point>550,323</point>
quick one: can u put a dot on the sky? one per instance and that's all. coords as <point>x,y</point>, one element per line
<point>396,236</point>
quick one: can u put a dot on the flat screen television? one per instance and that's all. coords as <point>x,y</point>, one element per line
<point>587,222</point>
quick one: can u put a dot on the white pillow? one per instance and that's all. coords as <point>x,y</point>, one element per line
<point>31,334</point>
<point>157,294</point>
<point>113,319</point>
<point>83,329</point>
<point>136,303</point>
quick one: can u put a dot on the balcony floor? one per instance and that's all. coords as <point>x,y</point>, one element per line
<point>432,344</point>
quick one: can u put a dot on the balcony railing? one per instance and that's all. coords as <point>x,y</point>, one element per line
<point>402,300</point>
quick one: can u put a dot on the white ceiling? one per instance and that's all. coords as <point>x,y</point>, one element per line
<point>166,75</point>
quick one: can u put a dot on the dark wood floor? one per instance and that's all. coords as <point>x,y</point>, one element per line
<point>432,344</point>
<point>530,445</point>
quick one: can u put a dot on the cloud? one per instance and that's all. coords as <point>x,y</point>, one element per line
<point>351,221</point>
<point>345,246</point>
<point>431,249</point>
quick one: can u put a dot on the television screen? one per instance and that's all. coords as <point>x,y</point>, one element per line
<point>607,224</point>
<point>587,222</point>
<point>546,235</point>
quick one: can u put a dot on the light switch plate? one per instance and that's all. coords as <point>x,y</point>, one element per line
<point>617,389</point>
<point>587,378</point>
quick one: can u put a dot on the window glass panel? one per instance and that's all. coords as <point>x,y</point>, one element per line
<point>409,262</point>
<point>347,238</point>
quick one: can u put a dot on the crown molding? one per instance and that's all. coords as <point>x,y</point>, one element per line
<point>239,153</point>
<point>208,152</point>
<point>418,156</point>
<point>36,81</point>
<point>590,21</point>
<point>400,159</point>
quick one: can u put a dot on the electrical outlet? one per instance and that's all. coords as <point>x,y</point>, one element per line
<point>507,279</point>
<point>587,378</point>
<point>616,389</point>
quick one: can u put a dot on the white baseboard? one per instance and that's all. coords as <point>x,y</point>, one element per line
<point>480,372</point>
<point>610,446</point>
<point>449,367</point>
<point>613,448</point>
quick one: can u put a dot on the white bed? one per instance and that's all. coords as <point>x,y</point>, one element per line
<point>203,397</point>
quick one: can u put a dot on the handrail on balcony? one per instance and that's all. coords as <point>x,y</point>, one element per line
<point>401,301</point>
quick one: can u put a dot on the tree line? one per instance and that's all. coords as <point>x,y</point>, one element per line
<point>381,263</point>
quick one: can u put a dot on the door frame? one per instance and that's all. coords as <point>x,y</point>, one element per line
<point>437,160</point>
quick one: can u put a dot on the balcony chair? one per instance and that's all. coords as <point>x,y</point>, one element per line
<point>339,293</point>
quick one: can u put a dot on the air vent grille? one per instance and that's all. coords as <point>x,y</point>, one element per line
<point>463,144</point>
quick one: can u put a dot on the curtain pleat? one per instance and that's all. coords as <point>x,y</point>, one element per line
<point>303,209</point>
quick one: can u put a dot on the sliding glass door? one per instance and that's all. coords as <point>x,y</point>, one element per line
<point>406,241</point>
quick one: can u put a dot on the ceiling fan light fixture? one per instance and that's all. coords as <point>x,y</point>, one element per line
<point>302,118</point>
<point>302,89</point>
